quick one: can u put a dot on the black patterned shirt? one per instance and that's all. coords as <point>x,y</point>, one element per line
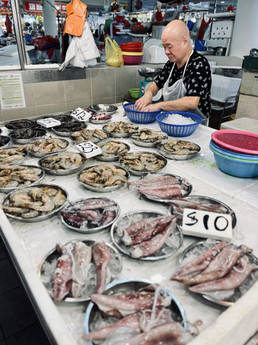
<point>197,79</point>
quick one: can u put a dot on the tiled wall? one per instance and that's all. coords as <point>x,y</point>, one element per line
<point>103,84</point>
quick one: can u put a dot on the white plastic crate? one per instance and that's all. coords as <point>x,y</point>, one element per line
<point>224,87</point>
<point>154,54</point>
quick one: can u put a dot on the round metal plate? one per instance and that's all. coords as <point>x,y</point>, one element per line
<point>90,228</point>
<point>40,178</point>
<point>103,189</point>
<point>43,215</point>
<point>48,263</point>
<point>197,248</point>
<point>170,247</point>
<point>62,171</point>
<point>127,286</point>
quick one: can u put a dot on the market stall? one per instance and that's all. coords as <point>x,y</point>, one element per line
<point>31,242</point>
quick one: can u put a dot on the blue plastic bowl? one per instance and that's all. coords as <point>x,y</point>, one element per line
<point>178,130</point>
<point>233,163</point>
<point>139,116</point>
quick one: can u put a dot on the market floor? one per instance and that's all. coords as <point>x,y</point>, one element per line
<point>19,324</point>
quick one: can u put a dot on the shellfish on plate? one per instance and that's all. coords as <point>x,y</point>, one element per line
<point>34,203</point>
<point>103,177</point>
<point>142,163</point>
<point>62,163</point>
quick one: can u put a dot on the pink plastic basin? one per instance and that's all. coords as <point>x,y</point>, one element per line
<point>237,141</point>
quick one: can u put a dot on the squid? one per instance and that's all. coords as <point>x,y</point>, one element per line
<point>201,262</point>
<point>145,229</point>
<point>62,277</point>
<point>136,322</point>
<point>128,303</point>
<point>167,334</point>
<point>151,246</point>
<point>101,257</point>
<point>232,280</point>
<point>217,268</point>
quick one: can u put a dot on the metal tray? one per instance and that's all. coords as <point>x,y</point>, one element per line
<point>213,296</point>
<point>22,123</point>
<point>69,131</point>
<point>178,157</point>
<point>110,158</point>
<point>100,122</point>
<point>22,140</point>
<point>149,72</point>
<point>143,143</point>
<point>91,229</point>
<point>94,139</point>
<point>203,199</point>
<point>170,247</point>
<point>43,216</point>
<point>103,108</point>
<point>119,134</point>
<point>148,143</point>
<point>62,171</point>
<point>126,286</point>
<point>103,189</point>
<point>48,262</point>
<point>166,200</point>
<point>39,155</point>
<point>143,172</point>
<point>41,176</point>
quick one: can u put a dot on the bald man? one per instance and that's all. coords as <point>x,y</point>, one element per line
<point>185,79</point>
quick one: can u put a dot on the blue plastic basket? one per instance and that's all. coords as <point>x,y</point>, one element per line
<point>235,164</point>
<point>139,116</point>
<point>178,130</point>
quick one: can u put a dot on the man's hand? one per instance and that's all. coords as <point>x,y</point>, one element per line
<point>143,102</point>
<point>152,107</point>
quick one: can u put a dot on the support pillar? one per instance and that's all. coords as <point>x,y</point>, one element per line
<point>49,17</point>
<point>245,30</point>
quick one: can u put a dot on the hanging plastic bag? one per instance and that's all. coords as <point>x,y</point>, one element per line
<point>114,55</point>
<point>76,14</point>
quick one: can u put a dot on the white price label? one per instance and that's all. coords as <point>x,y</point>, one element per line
<point>89,149</point>
<point>81,115</point>
<point>48,122</point>
<point>207,224</point>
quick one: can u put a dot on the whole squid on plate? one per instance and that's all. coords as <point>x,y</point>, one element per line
<point>221,272</point>
<point>217,268</point>
<point>128,303</point>
<point>101,257</point>
<point>232,280</point>
<point>164,187</point>
<point>138,322</point>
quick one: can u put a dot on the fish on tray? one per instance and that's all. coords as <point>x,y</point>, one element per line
<point>73,265</point>
<point>163,186</point>
<point>222,267</point>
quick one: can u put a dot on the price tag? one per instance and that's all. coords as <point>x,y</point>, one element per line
<point>89,149</point>
<point>48,122</point>
<point>81,115</point>
<point>207,224</point>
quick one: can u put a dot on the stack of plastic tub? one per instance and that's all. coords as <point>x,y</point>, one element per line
<point>235,152</point>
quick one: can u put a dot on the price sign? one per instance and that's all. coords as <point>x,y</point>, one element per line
<point>207,224</point>
<point>48,122</point>
<point>89,149</point>
<point>81,115</point>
